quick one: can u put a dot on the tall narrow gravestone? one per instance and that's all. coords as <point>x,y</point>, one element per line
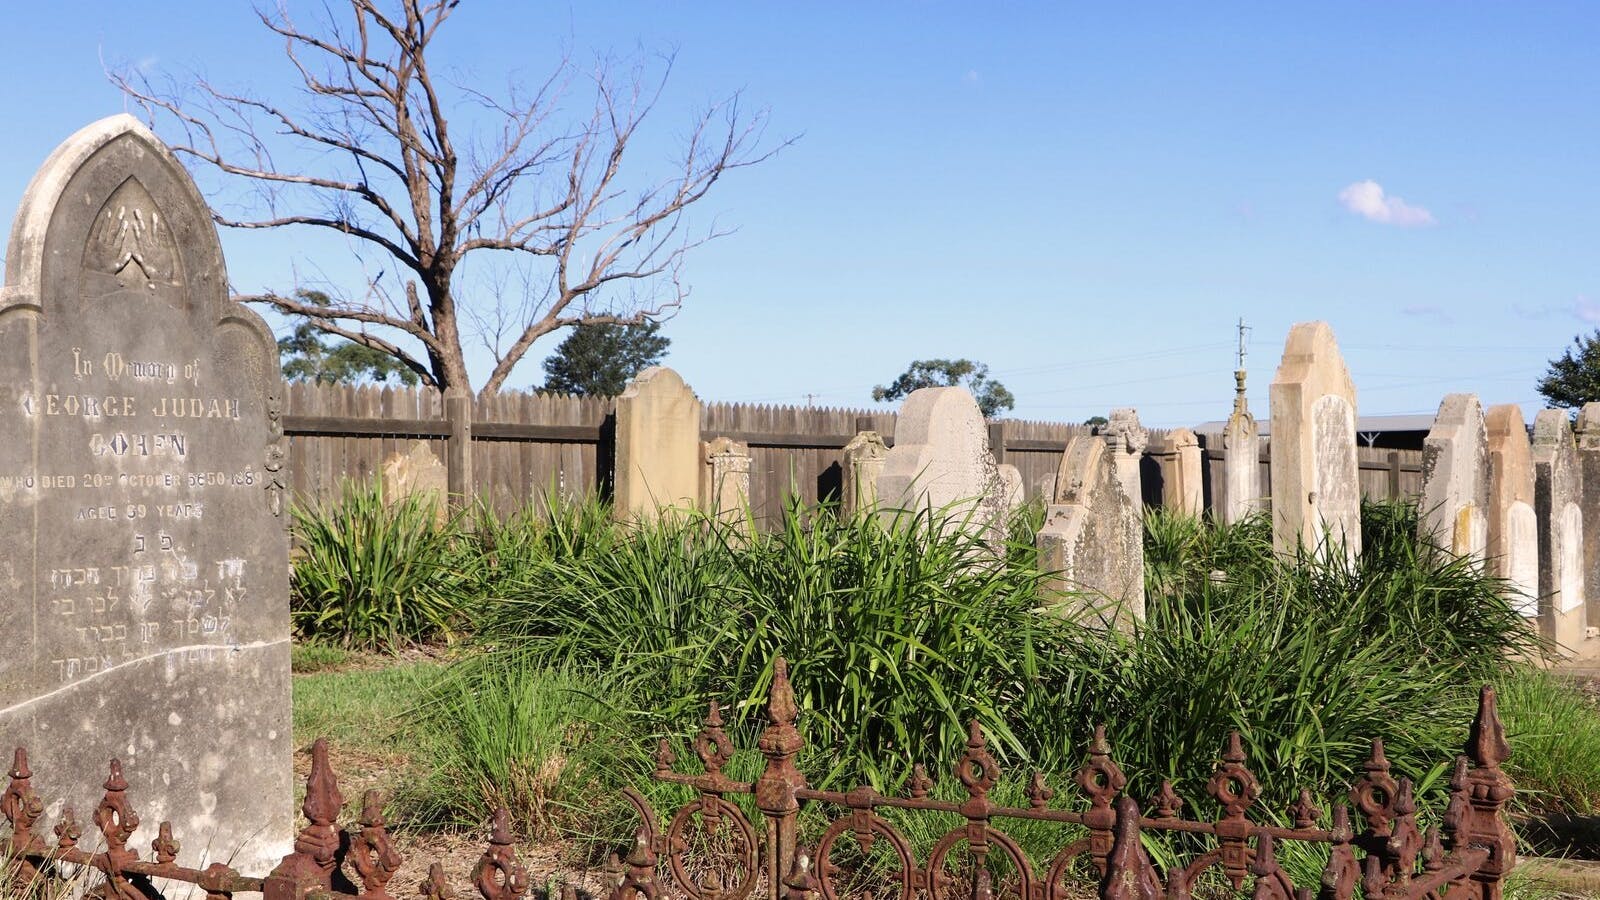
<point>1589,502</point>
<point>1513,544</point>
<point>1241,465</point>
<point>1557,487</point>
<point>1316,495</point>
<point>145,572</point>
<point>1181,487</point>
<point>1455,478</point>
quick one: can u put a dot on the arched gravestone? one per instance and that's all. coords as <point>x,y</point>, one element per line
<point>145,572</point>
<point>1557,489</point>
<point>1513,535</point>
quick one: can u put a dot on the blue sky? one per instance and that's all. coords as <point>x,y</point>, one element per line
<point>1086,198</point>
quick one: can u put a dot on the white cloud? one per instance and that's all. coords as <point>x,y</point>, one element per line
<point>972,76</point>
<point>1367,199</point>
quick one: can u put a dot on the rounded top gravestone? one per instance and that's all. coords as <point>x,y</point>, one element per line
<point>142,506</point>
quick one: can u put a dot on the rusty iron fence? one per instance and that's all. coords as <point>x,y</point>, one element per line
<point>1466,854</point>
<point>313,871</point>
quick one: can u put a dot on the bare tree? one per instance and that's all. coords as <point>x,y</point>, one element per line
<point>371,154</point>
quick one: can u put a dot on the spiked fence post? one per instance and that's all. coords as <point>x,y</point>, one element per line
<point>1129,874</point>
<point>117,822</point>
<point>1489,787</point>
<point>775,789</point>
<point>372,852</point>
<point>310,866</point>
<point>499,875</point>
<point>22,808</point>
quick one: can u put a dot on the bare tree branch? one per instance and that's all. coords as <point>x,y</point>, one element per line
<point>372,153</point>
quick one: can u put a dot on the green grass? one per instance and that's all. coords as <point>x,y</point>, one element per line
<point>538,741</point>
<point>1554,732</point>
<point>362,708</point>
<point>315,656</point>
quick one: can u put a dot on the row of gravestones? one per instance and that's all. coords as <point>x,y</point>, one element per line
<point>1489,493</point>
<point>1519,506</point>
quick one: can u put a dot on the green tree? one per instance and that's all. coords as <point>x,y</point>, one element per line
<point>1574,377</point>
<point>602,359</point>
<point>992,396</point>
<point>307,357</point>
<point>1095,421</point>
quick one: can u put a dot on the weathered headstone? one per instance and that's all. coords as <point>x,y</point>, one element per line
<point>1316,493</point>
<point>1241,491</point>
<point>1181,489</point>
<point>417,472</point>
<point>1093,533</point>
<point>1589,504</point>
<point>725,490</point>
<point>1455,478</point>
<point>1127,439</point>
<point>941,459</point>
<point>863,463</point>
<point>658,445</point>
<point>142,507</point>
<point>1513,544</point>
<point>1556,488</point>
<point>1011,491</point>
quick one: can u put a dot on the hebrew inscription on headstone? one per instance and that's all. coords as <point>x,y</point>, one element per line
<point>145,564</point>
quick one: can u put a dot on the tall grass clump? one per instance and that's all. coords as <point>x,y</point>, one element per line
<point>1554,731</point>
<point>541,743</point>
<point>898,628</point>
<point>1309,657</point>
<point>372,575</point>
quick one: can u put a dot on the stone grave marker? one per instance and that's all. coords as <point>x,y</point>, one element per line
<point>1513,540</point>
<point>658,445</point>
<point>1316,494</point>
<point>417,472</point>
<point>1455,478</point>
<point>1093,533</point>
<point>1127,439</point>
<point>725,492</point>
<point>863,463</point>
<point>1589,504</point>
<point>142,507</point>
<point>1012,492</point>
<point>1241,459</point>
<point>1556,489</point>
<point>1181,488</point>
<point>941,459</point>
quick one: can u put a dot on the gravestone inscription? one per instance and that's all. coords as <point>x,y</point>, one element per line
<point>145,572</point>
